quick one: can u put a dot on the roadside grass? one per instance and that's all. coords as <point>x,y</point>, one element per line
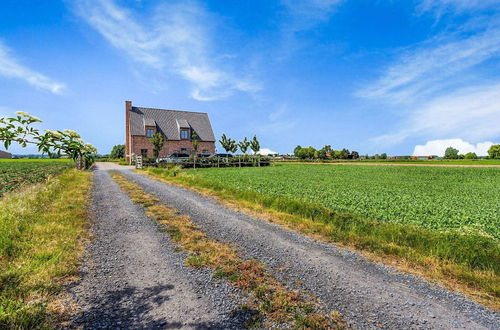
<point>39,160</point>
<point>269,297</point>
<point>468,263</point>
<point>42,228</point>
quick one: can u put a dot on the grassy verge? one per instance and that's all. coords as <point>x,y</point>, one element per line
<point>466,263</point>
<point>269,297</point>
<point>41,232</point>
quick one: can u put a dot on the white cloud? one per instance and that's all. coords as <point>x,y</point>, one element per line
<point>443,87</point>
<point>266,151</point>
<point>438,147</point>
<point>305,14</point>
<point>11,68</point>
<point>175,38</point>
<point>472,113</point>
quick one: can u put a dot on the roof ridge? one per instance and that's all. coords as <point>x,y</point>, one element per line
<point>206,113</point>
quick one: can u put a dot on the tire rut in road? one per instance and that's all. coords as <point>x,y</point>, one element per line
<point>367,294</point>
<point>132,277</point>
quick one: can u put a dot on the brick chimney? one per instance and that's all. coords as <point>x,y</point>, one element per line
<point>128,137</point>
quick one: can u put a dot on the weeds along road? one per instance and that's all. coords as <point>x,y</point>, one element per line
<point>133,276</point>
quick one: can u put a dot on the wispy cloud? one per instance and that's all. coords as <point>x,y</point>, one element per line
<point>10,67</point>
<point>471,113</point>
<point>441,7</point>
<point>305,14</point>
<point>174,38</point>
<point>440,85</point>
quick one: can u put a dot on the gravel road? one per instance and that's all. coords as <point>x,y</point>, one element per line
<point>368,295</point>
<point>132,278</point>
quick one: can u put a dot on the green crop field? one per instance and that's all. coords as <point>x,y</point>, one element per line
<point>440,198</point>
<point>15,173</point>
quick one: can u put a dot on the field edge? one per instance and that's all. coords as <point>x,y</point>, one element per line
<point>481,285</point>
<point>44,230</point>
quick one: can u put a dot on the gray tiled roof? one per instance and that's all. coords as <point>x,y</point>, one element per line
<point>169,121</point>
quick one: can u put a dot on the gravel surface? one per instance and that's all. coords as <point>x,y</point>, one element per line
<point>368,295</point>
<point>132,277</point>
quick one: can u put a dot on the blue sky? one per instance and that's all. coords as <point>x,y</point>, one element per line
<point>391,76</point>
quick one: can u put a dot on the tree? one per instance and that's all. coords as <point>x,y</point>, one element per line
<point>306,153</point>
<point>244,145</point>
<point>296,150</point>
<point>471,155</point>
<point>325,152</point>
<point>451,153</point>
<point>255,146</point>
<point>195,141</point>
<point>158,140</point>
<point>118,151</point>
<point>494,151</point>
<point>228,144</point>
<point>383,156</point>
<point>20,130</point>
<point>354,155</point>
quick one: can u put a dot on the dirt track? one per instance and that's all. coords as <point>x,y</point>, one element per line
<point>133,278</point>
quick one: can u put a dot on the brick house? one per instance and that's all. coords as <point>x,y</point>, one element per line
<point>5,155</point>
<point>176,126</point>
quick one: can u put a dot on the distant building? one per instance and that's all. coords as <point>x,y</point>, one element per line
<point>5,155</point>
<point>176,126</point>
<point>423,157</point>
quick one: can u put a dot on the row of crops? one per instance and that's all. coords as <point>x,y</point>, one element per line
<point>16,173</point>
<point>432,197</point>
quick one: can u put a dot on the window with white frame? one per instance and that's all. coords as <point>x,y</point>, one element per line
<point>184,134</point>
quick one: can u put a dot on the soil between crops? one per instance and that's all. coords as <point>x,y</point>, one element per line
<point>133,277</point>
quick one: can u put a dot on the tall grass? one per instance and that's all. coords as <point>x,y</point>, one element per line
<point>41,228</point>
<point>470,261</point>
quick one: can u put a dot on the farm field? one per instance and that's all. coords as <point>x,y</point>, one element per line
<point>17,172</point>
<point>430,197</point>
<point>430,162</point>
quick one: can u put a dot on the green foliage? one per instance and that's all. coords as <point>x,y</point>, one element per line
<point>451,153</point>
<point>118,151</point>
<point>19,129</point>
<point>16,173</point>
<point>158,140</point>
<point>41,230</point>
<point>494,151</point>
<point>244,145</point>
<point>470,155</point>
<point>255,145</point>
<point>195,141</point>
<point>440,198</point>
<point>228,144</point>
<point>306,153</point>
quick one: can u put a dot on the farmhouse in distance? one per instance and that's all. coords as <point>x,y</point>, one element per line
<point>176,126</point>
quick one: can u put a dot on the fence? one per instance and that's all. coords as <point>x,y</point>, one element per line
<point>209,162</point>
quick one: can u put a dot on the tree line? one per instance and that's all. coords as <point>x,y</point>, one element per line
<point>327,152</point>
<point>453,153</point>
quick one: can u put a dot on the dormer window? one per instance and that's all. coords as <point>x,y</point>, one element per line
<point>184,134</point>
<point>150,132</point>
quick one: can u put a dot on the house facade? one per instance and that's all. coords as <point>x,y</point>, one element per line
<point>176,126</point>
<point>5,155</point>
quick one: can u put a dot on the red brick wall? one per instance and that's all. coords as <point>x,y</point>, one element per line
<point>171,146</point>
